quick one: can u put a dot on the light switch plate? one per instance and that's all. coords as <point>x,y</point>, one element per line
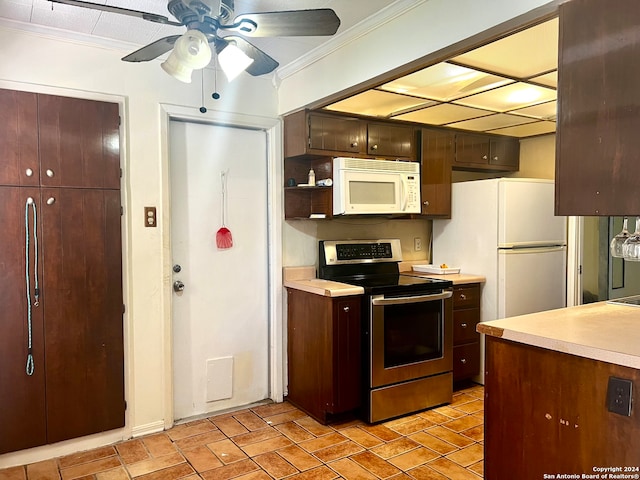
<point>150,219</point>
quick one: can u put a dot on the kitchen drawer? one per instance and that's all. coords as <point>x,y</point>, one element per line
<point>464,326</point>
<point>466,296</point>
<point>466,361</point>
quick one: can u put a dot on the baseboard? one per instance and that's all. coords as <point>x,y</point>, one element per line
<point>153,427</point>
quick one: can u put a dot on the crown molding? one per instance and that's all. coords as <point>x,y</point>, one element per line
<point>369,24</point>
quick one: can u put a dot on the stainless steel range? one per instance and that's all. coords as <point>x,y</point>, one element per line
<point>407,337</point>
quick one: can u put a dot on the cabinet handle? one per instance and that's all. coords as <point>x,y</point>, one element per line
<point>354,144</point>
<point>463,325</point>
<point>463,361</point>
<point>50,173</point>
<point>463,296</point>
<point>484,157</point>
<point>346,309</point>
<point>28,172</point>
<point>426,203</point>
<point>495,159</point>
<point>51,201</point>
<point>374,147</point>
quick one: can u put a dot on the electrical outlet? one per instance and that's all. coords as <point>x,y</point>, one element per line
<point>619,392</point>
<point>417,244</point>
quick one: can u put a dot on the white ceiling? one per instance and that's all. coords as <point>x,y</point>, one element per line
<point>138,32</point>
<point>475,99</point>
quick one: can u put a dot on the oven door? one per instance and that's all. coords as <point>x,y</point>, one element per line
<point>410,337</point>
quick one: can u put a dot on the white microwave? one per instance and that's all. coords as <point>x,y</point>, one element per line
<point>365,186</point>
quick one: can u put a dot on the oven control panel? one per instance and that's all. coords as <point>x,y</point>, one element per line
<point>360,251</point>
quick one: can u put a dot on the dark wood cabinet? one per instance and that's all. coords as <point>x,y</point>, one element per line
<point>391,141</point>
<point>74,245</point>
<point>546,413</point>
<point>466,341</point>
<point>322,134</point>
<point>597,141</point>
<point>323,348</point>
<point>486,152</point>
<point>437,155</point>
<point>312,134</point>
<point>19,162</point>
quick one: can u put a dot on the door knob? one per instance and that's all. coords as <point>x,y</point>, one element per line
<point>178,286</point>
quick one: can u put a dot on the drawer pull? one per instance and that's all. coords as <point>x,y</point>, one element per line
<point>463,361</point>
<point>463,296</point>
<point>346,309</point>
<point>463,325</point>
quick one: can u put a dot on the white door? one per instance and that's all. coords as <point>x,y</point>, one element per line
<point>531,280</point>
<point>220,319</point>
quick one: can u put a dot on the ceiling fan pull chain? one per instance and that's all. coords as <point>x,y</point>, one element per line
<point>203,109</point>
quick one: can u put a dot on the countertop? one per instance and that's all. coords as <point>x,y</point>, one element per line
<point>599,331</point>
<point>303,278</point>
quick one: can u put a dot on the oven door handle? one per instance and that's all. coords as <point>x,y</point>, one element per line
<point>417,299</point>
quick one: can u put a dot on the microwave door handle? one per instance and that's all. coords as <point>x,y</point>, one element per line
<point>405,197</point>
<point>417,299</point>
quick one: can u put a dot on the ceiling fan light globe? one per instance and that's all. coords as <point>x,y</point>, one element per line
<point>233,61</point>
<point>174,67</point>
<point>191,52</point>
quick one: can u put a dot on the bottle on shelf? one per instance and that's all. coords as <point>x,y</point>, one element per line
<point>312,178</point>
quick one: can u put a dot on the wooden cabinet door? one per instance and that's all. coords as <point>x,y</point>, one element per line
<point>395,141</point>
<point>505,152</point>
<point>22,396</point>
<point>597,141</point>
<point>19,138</point>
<point>438,152</point>
<point>336,134</point>
<point>82,297</point>
<point>472,149</point>
<point>346,348</point>
<point>79,142</point>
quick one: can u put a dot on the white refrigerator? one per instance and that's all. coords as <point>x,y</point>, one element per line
<point>506,230</point>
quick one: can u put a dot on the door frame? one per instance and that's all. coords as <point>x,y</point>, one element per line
<point>272,127</point>
<point>575,231</point>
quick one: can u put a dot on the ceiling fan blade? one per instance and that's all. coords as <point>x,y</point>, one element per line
<point>153,50</point>
<point>262,63</point>
<point>152,17</point>
<point>294,23</point>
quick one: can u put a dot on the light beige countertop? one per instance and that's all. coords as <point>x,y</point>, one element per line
<point>599,331</point>
<point>304,278</point>
<point>456,278</point>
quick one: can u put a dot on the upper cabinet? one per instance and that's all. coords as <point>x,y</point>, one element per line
<point>391,141</point>
<point>438,150</point>
<point>314,134</point>
<point>476,151</point>
<point>59,141</point>
<point>597,142</point>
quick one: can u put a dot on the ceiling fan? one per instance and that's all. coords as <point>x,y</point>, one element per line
<point>206,22</point>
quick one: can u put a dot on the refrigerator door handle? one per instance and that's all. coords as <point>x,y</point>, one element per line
<point>523,250</point>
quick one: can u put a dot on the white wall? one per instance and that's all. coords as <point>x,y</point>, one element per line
<point>41,63</point>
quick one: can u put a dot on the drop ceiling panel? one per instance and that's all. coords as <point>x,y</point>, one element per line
<point>528,130</point>
<point>377,103</point>
<point>442,114</point>
<point>509,97</point>
<point>522,55</point>
<point>544,111</point>
<point>549,79</point>
<point>15,11</point>
<point>491,122</point>
<point>445,81</point>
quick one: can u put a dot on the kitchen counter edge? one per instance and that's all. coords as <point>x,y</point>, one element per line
<point>598,331</point>
<point>304,278</point>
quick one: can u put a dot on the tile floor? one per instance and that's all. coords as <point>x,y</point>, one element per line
<point>278,441</point>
